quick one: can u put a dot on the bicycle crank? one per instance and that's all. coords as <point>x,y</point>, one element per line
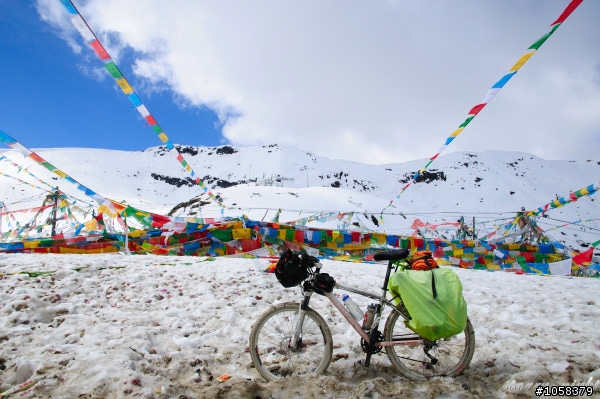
<point>371,349</point>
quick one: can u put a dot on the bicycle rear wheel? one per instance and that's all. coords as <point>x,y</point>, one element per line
<point>452,355</point>
<point>270,347</point>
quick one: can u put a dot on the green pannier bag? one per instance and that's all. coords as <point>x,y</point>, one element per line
<point>433,299</point>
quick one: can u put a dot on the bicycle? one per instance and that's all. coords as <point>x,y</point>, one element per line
<point>293,339</point>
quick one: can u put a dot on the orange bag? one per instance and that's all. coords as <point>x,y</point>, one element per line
<point>422,260</point>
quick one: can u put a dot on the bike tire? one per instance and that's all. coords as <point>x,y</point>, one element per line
<point>453,354</point>
<point>270,337</point>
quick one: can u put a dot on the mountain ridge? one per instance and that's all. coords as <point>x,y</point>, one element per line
<point>460,183</point>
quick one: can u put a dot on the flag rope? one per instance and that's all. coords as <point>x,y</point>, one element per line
<point>572,197</point>
<point>20,168</point>
<point>492,92</point>
<point>107,204</point>
<point>90,37</point>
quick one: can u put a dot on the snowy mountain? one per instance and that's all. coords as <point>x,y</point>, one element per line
<point>264,182</point>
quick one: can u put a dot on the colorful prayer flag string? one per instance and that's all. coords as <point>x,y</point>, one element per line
<point>89,36</point>
<point>105,203</point>
<point>493,91</point>
<point>572,197</point>
<point>557,203</point>
<point>24,182</point>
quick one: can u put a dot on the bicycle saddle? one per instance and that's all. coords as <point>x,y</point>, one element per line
<point>396,254</point>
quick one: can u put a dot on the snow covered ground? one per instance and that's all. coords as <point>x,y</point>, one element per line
<point>117,326</point>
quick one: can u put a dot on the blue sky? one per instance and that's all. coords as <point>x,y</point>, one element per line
<point>376,82</point>
<point>47,101</point>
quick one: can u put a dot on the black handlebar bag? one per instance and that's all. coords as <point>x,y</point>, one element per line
<point>292,268</point>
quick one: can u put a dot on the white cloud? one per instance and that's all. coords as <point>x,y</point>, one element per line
<point>375,81</point>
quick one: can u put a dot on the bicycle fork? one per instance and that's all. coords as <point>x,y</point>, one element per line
<point>296,339</point>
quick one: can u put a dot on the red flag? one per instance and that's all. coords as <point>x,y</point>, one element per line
<point>100,220</point>
<point>475,110</point>
<point>565,14</point>
<point>99,50</point>
<point>584,257</point>
<point>159,220</point>
<point>417,223</point>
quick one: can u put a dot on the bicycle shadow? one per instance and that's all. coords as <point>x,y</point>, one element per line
<point>475,382</point>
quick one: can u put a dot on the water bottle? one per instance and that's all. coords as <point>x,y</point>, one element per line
<point>369,316</point>
<point>352,307</point>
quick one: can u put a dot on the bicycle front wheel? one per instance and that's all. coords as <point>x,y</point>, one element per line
<point>447,357</point>
<point>271,348</point>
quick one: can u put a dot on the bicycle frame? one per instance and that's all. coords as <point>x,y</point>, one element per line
<point>383,301</point>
